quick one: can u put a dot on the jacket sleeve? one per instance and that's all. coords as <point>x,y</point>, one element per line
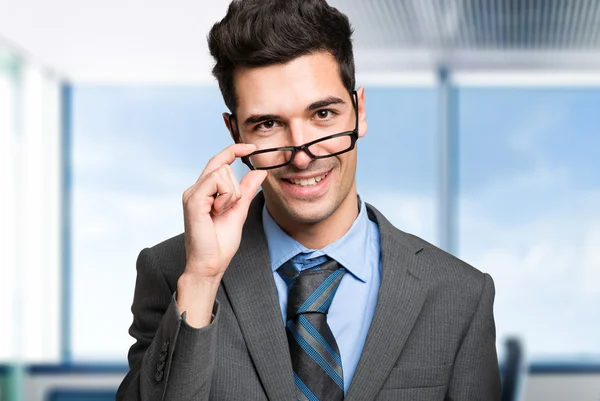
<point>170,360</point>
<point>476,375</point>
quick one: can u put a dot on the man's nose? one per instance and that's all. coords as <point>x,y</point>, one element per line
<point>301,160</point>
<point>299,134</point>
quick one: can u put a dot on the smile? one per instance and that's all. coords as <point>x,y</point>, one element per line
<point>307,182</point>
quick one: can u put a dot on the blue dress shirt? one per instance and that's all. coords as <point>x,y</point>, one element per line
<point>352,308</point>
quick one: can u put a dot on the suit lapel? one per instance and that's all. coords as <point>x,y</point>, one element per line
<point>251,290</point>
<point>400,299</point>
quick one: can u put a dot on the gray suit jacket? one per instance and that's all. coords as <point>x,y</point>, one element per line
<point>432,336</point>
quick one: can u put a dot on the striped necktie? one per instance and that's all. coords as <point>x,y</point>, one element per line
<point>315,355</point>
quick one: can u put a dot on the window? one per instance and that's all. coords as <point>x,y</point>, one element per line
<point>135,150</point>
<point>397,158</point>
<point>529,212</point>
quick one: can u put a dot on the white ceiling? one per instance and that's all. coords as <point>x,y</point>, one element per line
<point>153,41</point>
<point>115,40</point>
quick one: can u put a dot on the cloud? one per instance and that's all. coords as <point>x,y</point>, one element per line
<point>121,158</point>
<point>125,198</point>
<point>528,133</point>
<point>411,212</point>
<point>546,268</point>
<point>590,270</point>
<point>110,228</point>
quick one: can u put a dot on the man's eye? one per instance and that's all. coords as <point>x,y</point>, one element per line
<point>266,125</point>
<point>325,114</point>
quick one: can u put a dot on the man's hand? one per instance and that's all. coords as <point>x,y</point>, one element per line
<point>214,209</point>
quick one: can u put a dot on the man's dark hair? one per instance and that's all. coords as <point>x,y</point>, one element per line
<point>257,33</point>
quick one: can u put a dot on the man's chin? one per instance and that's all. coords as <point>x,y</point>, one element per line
<point>305,214</point>
<point>300,210</point>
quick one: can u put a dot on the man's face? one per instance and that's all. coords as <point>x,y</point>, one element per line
<point>292,104</point>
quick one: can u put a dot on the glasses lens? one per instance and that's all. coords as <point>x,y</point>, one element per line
<point>270,159</point>
<point>331,146</point>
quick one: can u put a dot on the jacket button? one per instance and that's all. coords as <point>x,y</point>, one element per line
<point>158,375</point>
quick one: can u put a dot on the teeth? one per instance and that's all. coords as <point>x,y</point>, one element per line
<point>308,181</point>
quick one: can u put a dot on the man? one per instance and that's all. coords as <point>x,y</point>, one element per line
<point>303,291</point>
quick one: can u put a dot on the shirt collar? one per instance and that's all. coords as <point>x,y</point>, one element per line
<point>349,250</point>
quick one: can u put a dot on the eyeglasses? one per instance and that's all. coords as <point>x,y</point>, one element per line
<point>328,146</point>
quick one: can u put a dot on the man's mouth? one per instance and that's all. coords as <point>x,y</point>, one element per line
<point>307,182</point>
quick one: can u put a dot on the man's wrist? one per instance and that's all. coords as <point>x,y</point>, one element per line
<point>195,280</point>
<point>196,298</point>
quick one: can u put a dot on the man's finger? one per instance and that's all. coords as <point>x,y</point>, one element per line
<point>229,196</point>
<point>227,156</point>
<point>223,202</point>
<point>234,182</point>
<point>250,184</point>
<point>201,196</point>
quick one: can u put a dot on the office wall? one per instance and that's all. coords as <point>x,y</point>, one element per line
<point>30,211</point>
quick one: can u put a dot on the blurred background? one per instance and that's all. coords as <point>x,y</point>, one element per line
<point>483,140</point>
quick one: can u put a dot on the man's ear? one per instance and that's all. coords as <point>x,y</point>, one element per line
<point>232,132</point>
<point>362,112</point>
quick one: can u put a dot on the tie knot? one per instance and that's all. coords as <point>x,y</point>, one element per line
<point>290,270</point>
<point>311,290</point>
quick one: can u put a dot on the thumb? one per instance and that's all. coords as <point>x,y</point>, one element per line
<point>250,184</point>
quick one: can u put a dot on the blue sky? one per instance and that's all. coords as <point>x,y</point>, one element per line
<point>529,186</point>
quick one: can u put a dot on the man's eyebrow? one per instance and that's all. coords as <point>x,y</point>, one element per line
<point>258,118</point>
<point>319,104</point>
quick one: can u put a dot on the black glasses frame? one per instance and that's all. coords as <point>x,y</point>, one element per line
<point>294,149</point>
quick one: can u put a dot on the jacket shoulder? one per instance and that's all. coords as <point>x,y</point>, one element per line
<point>440,267</point>
<point>447,267</point>
<point>167,256</point>
<point>450,280</point>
